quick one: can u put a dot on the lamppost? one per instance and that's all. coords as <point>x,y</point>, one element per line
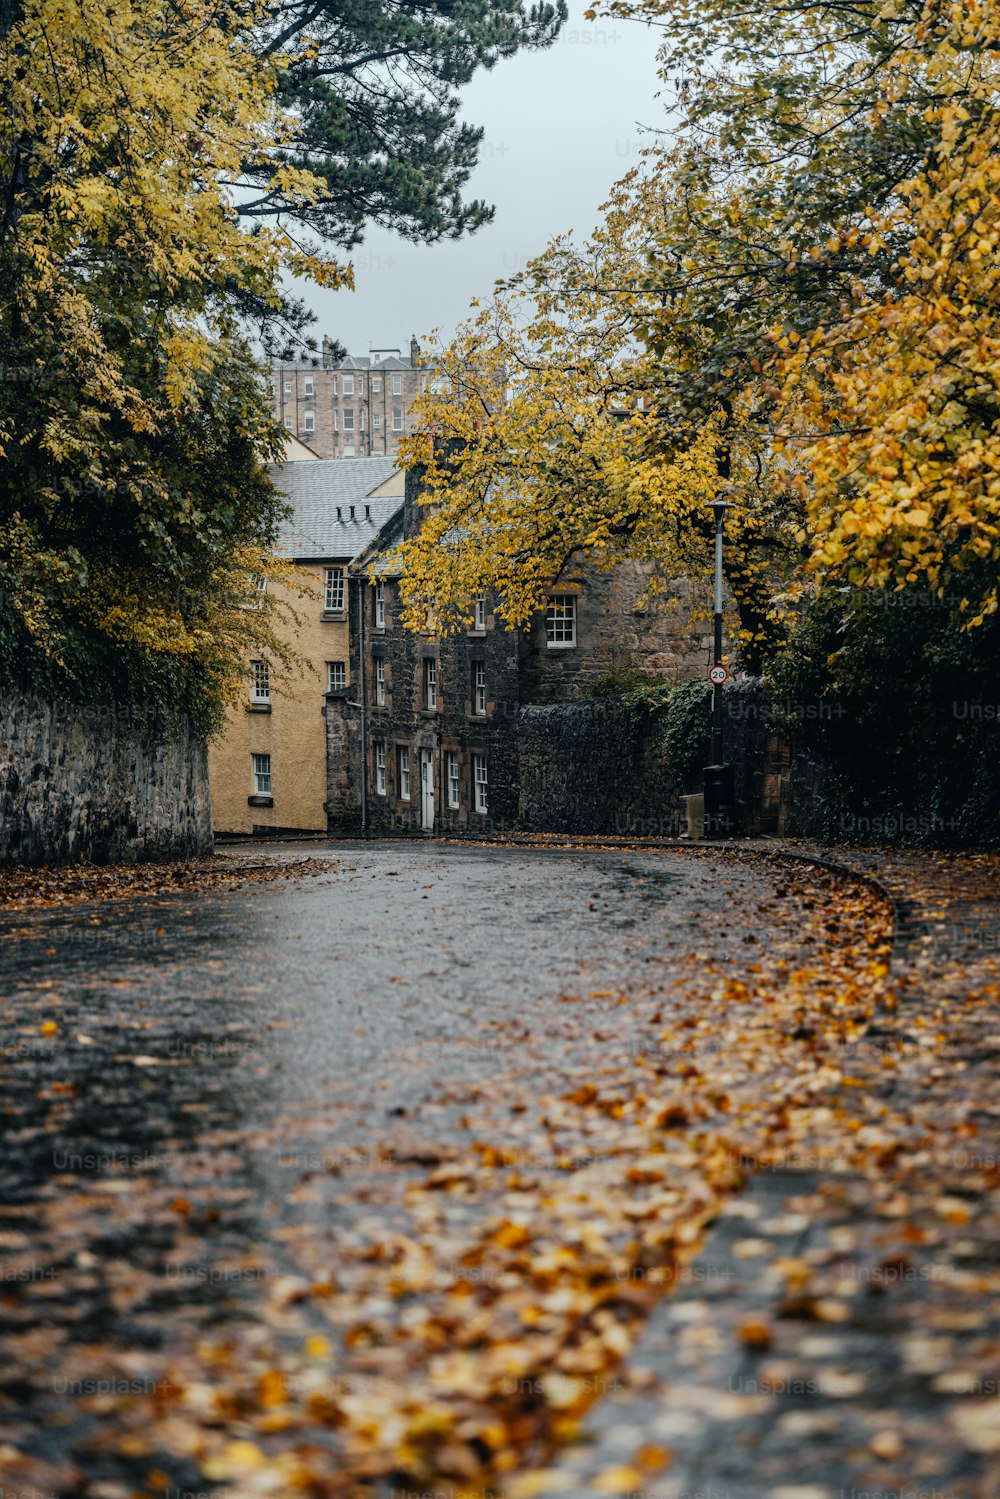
<point>718,776</point>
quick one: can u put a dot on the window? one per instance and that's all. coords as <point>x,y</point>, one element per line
<point>348,385</point>
<point>404,773</point>
<point>451,766</point>
<point>479,688</point>
<point>376,385</point>
<point>309,386</point>
<point>397,419</point>
<point>560,620</point>
<point>260,685</point>
<point>362,418</point>
<point>309,421</point>
<point>262,775</point>
<point>288,387</point>
<point>336,676</point>
<point>380,606</point>
<point>333,590</point>
<point>376,421</point>
<point>333,416</point>
<point>479,781</point>
<point>397,385</point>
<point>289,421</point>
<point>430,684</point>
<point>479,612</point>
<point>348,421</point>
<point>380,767</point>
<point>379,682</point>
<point>348,450</point>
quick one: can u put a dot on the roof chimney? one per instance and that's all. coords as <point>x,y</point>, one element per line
<point>414,349</point>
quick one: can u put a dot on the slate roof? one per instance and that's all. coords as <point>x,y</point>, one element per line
<point>363,362</point>
<point>315,489</point>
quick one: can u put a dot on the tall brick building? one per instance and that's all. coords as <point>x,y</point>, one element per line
<point>355,407</point>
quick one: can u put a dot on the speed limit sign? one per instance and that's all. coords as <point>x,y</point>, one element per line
<point>718,675</point>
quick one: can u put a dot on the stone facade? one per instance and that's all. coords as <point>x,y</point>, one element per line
<point>438,736</point>
<point>98,783</point>
<point>355,407</point>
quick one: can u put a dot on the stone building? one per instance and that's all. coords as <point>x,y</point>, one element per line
<point>433,742</point>
<point>355,407</point>
<point>268,767</point>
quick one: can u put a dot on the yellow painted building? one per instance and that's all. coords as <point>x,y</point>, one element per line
<point>268,766</point>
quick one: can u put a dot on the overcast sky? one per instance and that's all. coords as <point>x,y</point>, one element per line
<point>561,126</point>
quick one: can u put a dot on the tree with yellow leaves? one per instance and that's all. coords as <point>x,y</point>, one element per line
<point>134,428</point>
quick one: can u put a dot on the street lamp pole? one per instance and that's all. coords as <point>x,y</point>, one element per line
<point>718,775</point>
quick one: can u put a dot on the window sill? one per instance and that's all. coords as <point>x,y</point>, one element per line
<point>560,645</point>
<point>477,634</point>
<point>336,694</point>
<point>337,615</point>
<point>258,707</point>
<point>430,713</point>
<point>478,717</point>
<point>260,801</point>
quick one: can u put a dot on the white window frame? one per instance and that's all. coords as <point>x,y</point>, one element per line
<point>348,421</point>
<point>333,590</point>
<point>376,385</point>
<point>479,612</point>
<point>348,450</point>
<point>287,387</point>
<point>376,421</point>
<point>560,621</point>
<point>309,421</point>
<point>335,418</point>
<point>453,780</point>
<point>397,418</point>
<point>336,669</point>
<point>380,606</point>
<point>479,689</point>
<point>380,788</point>
<point>309,386</point>
<point>362,423</point>
<point>403,763</point>
<point>379,682</point>
<point>480,783</point>
<point>430,684</point>
<point>261,772</point>
<point>397,385</point>
<point>348,385</point>
<point>260,682</point>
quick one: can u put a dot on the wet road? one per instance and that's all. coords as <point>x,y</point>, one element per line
<point>180,1071</point>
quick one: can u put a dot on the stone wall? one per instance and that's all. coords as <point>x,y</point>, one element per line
<point>98,784</point>
<point>591,768</point>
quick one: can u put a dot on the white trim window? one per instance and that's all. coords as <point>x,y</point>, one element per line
<point>452,778</point>
<point>309,386</point>
<point>261,775</point>
<point>376,385</point>
<point>309,421</point>
<point>404,773</point>
<point>380,606</point>
<point>260,682</point>
<point>560,621</point>
<point>480,783</point>
<point>376,421</point>
<point>333,590</point>
<point>288,387</point>
<point>380,767</point>
<point>397,385</point>
<point>397,418</point>
<point>348,421</point>
<point>348,450</point>
<point>336,676</point>
<point>348,386</point>
<point>379,682</point>
<point>362,418</point>
<point>430,684</point>
<point>479,612</point>
<point>479,689</point>
<point>334,418</point>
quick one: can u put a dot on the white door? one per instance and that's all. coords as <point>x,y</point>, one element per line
<point>427,790</point>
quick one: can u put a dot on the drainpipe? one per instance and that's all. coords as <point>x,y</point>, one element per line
<point>361,675</point>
